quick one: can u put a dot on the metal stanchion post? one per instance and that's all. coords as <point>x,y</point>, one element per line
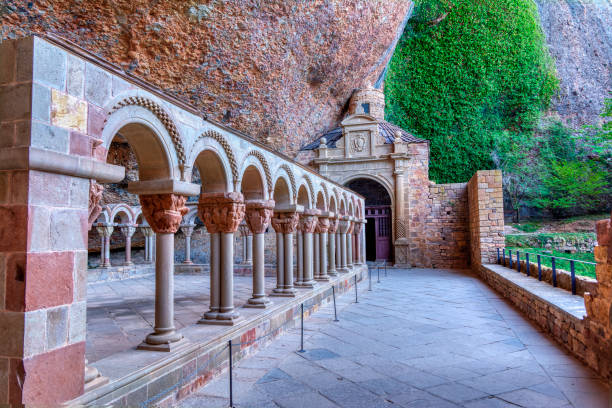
<point>356,299</point>
<point>370,279</point>
<point>335,311</point>
<point>301,350</point>
<point>378,280</point>
<point>231,391</point>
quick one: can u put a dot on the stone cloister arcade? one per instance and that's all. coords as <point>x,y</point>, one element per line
<point>66,108</point>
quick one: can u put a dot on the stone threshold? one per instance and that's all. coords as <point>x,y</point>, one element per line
<point>141,378</point>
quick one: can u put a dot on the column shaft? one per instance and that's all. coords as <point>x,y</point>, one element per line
<point>308,275</point>
<point>102,250</point>
<point>332,254</point>
<point>323,276</point>
<point>344,250</point>
<point>316,262</point>
<point>226,304</point>
<point>107,251</point>
<point>187,249</point>
<point>249,249</point>
<point>215,274</point>
<point>280,265</point>
<point>128,250</point>
<point>259,299</point>
<point>300,259</point>
<point>289,290</point>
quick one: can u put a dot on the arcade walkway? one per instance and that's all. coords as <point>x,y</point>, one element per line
<point>422,338</point>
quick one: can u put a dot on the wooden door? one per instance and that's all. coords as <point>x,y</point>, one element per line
<point>381,217</point>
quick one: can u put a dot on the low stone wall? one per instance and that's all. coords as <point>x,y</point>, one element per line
<point>115,273</point>
<point>564,325</point>
<point>564,278</point>
<point>176,375</point>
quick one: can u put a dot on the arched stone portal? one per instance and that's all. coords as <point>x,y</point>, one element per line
<point>378,212</point>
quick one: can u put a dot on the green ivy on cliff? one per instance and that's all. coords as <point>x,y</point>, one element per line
<point>470,76</point>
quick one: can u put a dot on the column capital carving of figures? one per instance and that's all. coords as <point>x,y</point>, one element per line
<point>163,212</point>
<point>221,212</point>
<point>285,222</point>
<point>344,225</point>
<point>351,227</point>
<point>357,227</point>
<point>309,220</point>
<point>127,230</point>
<point>322,225</point>
<point>105,229</point>
<point>333,225</point>
<point>187,229</point>
<point>95,195</point>
<point>258,215</point>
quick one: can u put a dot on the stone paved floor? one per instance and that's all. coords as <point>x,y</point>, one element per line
<point>422,338</point>
<point>121,313</point>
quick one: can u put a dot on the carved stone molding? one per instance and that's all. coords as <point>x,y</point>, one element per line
<point>226,147</point>
<point>357,227</point>
<point>351,226</point>
<point>291,179</point>
<point>285,222</point>
<point>264,164</point>
<point>163,212</point>
<point>322,225</point>
<point>95,195</point>
<point>258,215</point>
<point>163,117</point>
<point>221,212</point>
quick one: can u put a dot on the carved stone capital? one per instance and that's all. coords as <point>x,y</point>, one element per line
<point>163,212</point>
<point>105,230</point>
<point>127,230</point>
<point>309,221</point>
<point>221,212</point>
<point>187,229</point>
<point>322,225</point>
<point>357,227</point>
<point>147,231</point>
<point>333,225</point>
<point>285,222</point>
<point>258,215</point>
<point>344,225</point>
<point>95,195</point>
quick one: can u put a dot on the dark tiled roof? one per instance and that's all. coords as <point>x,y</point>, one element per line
<point>386,129</point>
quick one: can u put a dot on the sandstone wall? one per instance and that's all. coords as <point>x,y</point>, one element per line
<point>279,70</point>
<point>446,227</point>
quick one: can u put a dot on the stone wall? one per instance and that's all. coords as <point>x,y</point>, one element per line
<point>446,227</point>
<point>486,216</point>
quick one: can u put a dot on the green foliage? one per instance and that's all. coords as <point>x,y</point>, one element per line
<point>471,77</point>
<point>540,240</point>
<point>528,226</point>
<point>572,183</point>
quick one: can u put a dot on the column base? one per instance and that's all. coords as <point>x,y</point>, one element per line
<point>188,262</point>
<point>166,347</point>
<point>332,273</point>
<point>95,383</point>
<point>258,303</point>
<point>324,278</point>
<point>222,318</point>
<point>285,292</point>
<point>342,270</point>
<point>128,263</point>
<point>309,284</point>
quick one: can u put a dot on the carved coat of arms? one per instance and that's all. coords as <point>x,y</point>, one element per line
<point>358,143</point>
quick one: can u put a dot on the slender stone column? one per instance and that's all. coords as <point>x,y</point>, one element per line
<point>343,227</point>
<point>280,265</point>
<point>258,215</point>
<point>102,246</point>
<point>285,224</point>
<point>316,263</point>
<point>249,249</point>
<point>331,234</point>
<point>300,255</point>
<point>321,229</point>
<point>349,245</point>
<point>222,214</point>
<point>148,233</point>
<point>357,239</point>
<point>309,223</point>
<point>128,231</point>
<point>106,230</point>
<point>247,242</point>
<point>163,212</point>
<point>338,249</point>
<point>187,230</point>
<point>363,243</point>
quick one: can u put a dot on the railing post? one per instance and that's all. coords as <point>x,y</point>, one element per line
<point>369,279</point>
<point>301,350</point>
<point>573,272</point>
<point>335,311</point>
<point>510,257</point>
<point>356,298</point>
<point>527,263</point>
<point>554,275</point>
<point>539,268</point>
<point>518,261</point>
<point>231,391</point>
<point>504,256</point>
<point>498,255</point>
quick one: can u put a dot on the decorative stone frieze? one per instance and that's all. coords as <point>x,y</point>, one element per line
<point>333,225</point>
<point>221,212</point>
<point>285,222</point>
<point>258,215</point>
<point>163,212</point>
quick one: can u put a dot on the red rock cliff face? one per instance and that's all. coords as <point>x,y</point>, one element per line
<point>279,70</point>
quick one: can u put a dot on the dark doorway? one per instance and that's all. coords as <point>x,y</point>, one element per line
<point>378,216</point>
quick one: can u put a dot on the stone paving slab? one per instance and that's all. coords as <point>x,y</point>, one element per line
<point>421,338</point>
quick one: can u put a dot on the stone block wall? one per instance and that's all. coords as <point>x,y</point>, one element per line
<point>486,216</point>
<point>446,227</point>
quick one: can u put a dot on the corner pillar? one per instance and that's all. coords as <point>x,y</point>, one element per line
<point>258,216</point>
